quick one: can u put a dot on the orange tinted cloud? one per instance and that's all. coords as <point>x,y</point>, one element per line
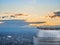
<point>38,21</point>
<point>9,16</point>
<point>48,21</point>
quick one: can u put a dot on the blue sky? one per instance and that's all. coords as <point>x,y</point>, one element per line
<point>32,7</point>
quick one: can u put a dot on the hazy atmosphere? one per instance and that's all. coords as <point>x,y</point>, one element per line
<point>24,22</point>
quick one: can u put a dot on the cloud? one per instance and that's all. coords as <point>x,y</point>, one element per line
<point>20,14</point>
<point>36,22</point>
<point>16,14</point>
<point>9,16</point>
<point>55,14</point>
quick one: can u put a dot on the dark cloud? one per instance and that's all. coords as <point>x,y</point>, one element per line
<point>55,14</point>
<point>36,22</point>
<point>21,15</point>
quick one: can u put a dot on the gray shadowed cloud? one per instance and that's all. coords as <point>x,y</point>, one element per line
<point>55,14</point>
<point>21,15</point>
<point>14,15</point>
<point>36,22</point>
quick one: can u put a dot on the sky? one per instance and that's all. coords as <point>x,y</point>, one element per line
<point>32,7</point>
<point>35,8</point>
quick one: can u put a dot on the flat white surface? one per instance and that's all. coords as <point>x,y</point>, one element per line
<point>48,33</point>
